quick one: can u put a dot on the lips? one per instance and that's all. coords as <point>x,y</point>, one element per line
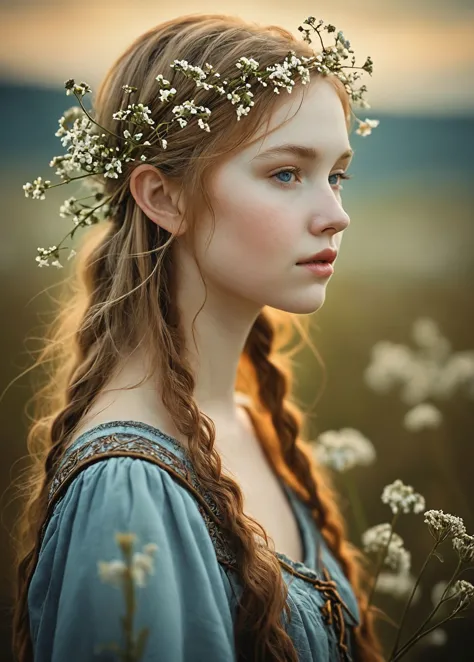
<point>327,255</point>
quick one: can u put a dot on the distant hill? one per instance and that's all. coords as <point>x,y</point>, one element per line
<point>399,146</point>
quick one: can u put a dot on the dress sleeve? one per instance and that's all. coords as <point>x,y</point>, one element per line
<point>185,603</point>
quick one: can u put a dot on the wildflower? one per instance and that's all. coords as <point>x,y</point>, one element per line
<point>437,637</point>
<point>365,128</point>
<point>375,540</point>
<point>457,372</point>
<point>113,572</point>
<point>424,415</point>
<point>464,590</point>
<point>428,337</point>
<point>37,189</point>
<point>398,585</point>
<point>443,526</point>
<point>464,546</point>
<point>402,498</point>
<point>341,450</point>
<point>390,364</point>
<point>439,590</point>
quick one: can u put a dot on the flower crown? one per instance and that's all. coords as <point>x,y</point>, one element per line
<point>88,153</point>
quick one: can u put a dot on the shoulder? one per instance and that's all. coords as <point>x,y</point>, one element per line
<point>123,481</point>
<point>130,473</point>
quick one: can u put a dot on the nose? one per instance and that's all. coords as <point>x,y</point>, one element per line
<point>330,217</point>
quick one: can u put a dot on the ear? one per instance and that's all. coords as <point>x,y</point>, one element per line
<point>158,197</point>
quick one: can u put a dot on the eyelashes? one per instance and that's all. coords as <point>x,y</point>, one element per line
<point>297,172</point>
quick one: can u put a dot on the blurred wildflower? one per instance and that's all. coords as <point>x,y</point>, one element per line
<point>398,584</point>
<point>463,590</point>
<point>464,546</point>
<point>127,574</point>
<point>381,538</point>
<point>344,449</point>
<point>437,638</point>
<point>439,592</point>
<point>443,526</point>
<point>422,416</point>
<point>428,337</point>
<point>402,498</point>
<point>429,371</point>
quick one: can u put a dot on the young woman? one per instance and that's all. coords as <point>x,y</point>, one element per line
<point>168,414</point>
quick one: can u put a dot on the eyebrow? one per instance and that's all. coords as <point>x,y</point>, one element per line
<point>308,153</point>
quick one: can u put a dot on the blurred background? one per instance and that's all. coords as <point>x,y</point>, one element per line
<point>408,254</point>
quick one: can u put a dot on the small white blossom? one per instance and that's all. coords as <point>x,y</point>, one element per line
<point>428,337</point>
<point>114,572</point>
<point>344,449</point>
<point>37,189</point>
<point>422,416</point>
<point>437,637</point>
<point>443,526</point>
<point>375,541</point>
<point>464,590</point>
<point>398,585</point>
<point>365,128</point>
<point>439,589</point>
<point>464,546</point>
<point>402,498</point>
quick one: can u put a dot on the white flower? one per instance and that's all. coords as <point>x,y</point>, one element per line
<point>37,189</point>
<point>439,589</point>
<point>424,415</point>
<point>402,498</point>
<point>365,128</point>
<point>443,526</point>
<point>112,572</point>
<point>464,590</point>
<point>457,372</point>
<point>341,450</point>
<point>398,585</point>
<point>390,364</point>
<point>464,546</point>
<point>166,94</point>
<point>437,637</point>
<point>428,337</point>
<point>375,541</point>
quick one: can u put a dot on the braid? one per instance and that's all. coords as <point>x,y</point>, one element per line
<point>312,482</point>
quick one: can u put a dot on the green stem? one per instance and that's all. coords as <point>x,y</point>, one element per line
<point>434,611</point>
<point>407,606</point>
<point>356,503</point>
<point>413,641</point>
<point>382,559</point>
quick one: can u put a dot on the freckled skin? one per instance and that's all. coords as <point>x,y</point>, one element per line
<point>265,225</point>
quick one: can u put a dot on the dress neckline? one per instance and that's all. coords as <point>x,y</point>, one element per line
<point>152,432</point>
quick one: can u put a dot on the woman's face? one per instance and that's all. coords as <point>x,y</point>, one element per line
<point>274,210</point>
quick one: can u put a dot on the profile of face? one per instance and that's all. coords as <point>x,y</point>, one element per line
<point>274,210</point>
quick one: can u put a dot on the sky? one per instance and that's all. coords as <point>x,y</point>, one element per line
<point>423,52</point>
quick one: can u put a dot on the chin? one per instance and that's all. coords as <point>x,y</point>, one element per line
<point>304,304</point>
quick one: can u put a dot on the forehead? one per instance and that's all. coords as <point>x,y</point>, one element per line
<point>313,117</point>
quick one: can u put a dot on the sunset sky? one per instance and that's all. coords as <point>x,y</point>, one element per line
<point>423,52</point>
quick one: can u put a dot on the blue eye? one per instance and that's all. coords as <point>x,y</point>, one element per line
<point>287,172</point>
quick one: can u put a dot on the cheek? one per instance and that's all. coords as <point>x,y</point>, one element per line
<point>254,223</point>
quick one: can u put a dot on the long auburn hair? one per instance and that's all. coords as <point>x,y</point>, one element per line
<point>109,306</point>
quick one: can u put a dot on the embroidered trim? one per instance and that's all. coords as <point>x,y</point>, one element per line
<point>126,444</point>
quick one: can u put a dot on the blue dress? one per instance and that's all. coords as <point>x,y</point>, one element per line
<point>127,476</point>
